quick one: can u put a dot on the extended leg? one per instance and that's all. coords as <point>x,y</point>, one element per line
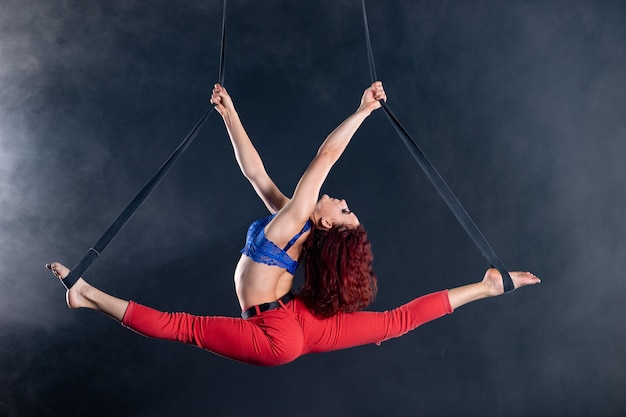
<point>347,330</point>
<point>274,338</point>
<point>353,329</point>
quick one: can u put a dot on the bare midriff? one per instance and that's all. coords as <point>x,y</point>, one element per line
<point>257,283</point>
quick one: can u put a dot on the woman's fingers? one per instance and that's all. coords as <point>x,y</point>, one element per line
<point>379,91</point>
<point>221,100</point>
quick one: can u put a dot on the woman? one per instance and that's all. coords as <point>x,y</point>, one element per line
<point>277,327</point>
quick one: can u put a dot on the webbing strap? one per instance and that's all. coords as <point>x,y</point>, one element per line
<point>223,46</point>
<point>95,251</point>
<point>435,178</point>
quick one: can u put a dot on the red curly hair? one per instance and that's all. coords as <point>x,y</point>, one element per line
<point>338,271</point>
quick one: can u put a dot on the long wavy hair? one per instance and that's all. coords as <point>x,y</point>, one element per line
<point>338,270</point>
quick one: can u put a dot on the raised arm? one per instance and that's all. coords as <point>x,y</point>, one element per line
<point>246,154</point>
<point>306,194</point>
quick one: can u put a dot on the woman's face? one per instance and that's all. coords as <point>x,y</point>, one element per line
<point>331,212</point>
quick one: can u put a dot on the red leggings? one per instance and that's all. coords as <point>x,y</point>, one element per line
<point>279,336</point>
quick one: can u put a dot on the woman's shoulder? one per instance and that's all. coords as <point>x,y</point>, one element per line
<point>281,228</point>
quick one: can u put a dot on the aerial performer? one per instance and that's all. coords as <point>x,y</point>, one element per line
<point>277,325</point>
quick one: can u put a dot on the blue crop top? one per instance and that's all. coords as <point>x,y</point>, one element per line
<point>264,251</point>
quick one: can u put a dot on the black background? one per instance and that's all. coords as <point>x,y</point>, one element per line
<point>520,105</point>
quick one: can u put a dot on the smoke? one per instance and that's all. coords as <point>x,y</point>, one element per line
<point>520,107</point>
<point>74,119</point>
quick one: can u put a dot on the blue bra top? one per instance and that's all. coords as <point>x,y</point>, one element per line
<point>264,251</point>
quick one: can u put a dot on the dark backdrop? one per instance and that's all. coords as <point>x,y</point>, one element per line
<point>520,105</point>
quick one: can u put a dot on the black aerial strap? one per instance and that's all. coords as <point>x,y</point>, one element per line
<point>436,179</point>
<point>132,207</point>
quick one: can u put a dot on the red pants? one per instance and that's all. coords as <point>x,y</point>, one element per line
<point>279,336</point>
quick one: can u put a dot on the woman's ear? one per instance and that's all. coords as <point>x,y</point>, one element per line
<point>326,223</point>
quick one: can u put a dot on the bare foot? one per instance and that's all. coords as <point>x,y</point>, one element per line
<point>493,280</point>
<point>75,296</point>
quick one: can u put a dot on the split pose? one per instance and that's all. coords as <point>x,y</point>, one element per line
<point>277,326</point>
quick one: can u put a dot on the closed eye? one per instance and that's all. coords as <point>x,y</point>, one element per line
<point>346,211</point>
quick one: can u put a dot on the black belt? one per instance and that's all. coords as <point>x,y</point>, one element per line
<point>254,310</point>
